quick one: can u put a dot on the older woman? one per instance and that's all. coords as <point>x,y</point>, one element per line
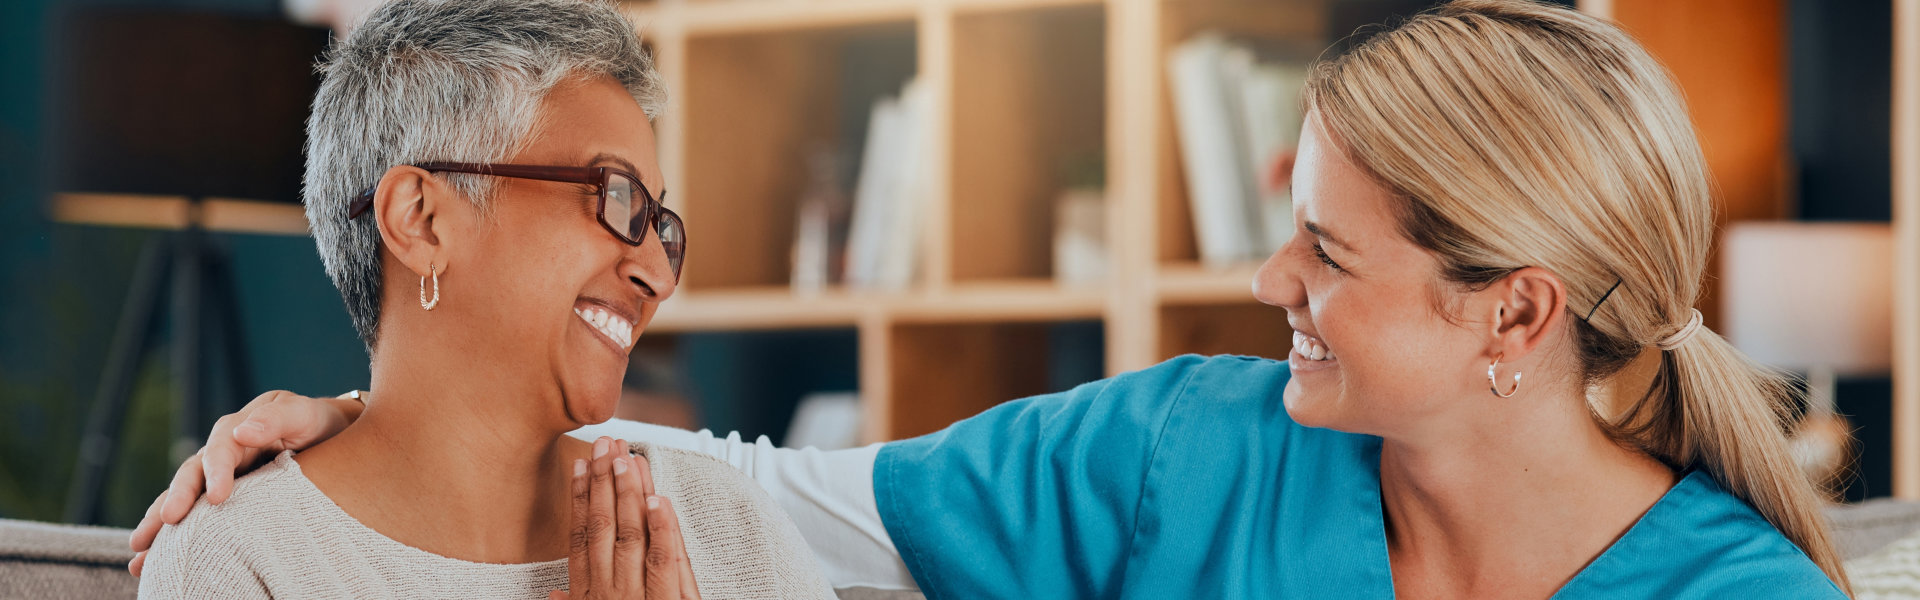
<point>483,191</point>
<point>1491,189</point>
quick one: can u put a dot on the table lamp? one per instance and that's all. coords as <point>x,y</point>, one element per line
<point>1814,298</point>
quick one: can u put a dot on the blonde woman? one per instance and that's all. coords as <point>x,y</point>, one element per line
<point>1501,204</point>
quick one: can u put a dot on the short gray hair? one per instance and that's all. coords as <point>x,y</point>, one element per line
<point>445,80</point>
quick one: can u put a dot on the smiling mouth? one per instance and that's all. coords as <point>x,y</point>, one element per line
<point>1311,348</point>
<point>610,326</point>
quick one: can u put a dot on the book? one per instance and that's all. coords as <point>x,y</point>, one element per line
<point>872,194</point>
<point>1270,100</point>
<point>889,199</point>
<point>1238,116</point>
<point>901,251</point>
<point>1218,194</point>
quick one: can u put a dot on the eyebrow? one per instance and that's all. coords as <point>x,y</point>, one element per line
<point>1316,229</point>
<point>618,161</point>
<point>604,157</point>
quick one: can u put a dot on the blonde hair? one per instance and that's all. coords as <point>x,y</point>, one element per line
<point>1518,134</point>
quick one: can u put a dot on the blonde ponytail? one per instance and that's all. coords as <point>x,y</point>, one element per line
<point>1732,414</point>
<point>1519,134</point>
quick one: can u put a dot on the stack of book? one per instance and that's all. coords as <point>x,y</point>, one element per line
<point>1238,117</point>
<point>889,201</point>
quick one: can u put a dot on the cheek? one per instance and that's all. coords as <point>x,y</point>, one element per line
<point>1387,351</point>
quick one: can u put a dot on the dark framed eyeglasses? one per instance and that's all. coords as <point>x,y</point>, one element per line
<point>625,207</point>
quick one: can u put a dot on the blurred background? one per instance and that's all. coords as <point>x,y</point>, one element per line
<point>902,212</point>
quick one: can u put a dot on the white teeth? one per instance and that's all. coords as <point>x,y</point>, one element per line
<point>608,324</point>
<point>1310,348</point>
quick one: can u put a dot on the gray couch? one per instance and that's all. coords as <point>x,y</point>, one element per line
<point>40,560</point>
<point>46,561</point>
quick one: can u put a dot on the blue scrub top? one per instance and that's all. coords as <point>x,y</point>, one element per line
<point>1189,480</point>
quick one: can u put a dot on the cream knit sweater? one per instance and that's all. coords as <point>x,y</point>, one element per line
<point>278,536</point>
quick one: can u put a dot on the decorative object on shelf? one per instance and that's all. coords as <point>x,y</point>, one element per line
<point>1236,117</point>
<point>1080,254</point>
<point>1814,298</point>
<point>883,242</point>
<point>820,242</point>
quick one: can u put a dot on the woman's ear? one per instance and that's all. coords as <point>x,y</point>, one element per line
<point>1528,306</point>
<point>408,204</point>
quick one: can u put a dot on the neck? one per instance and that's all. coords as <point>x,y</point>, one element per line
<point>1513,504</point>
<point>454,456</point>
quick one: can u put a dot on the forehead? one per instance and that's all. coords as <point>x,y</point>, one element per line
<point>590,117</point>
<point>1330,191</point>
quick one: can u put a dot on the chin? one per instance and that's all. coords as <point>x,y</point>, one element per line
<point>1315,409</point>
<point>591,404</point>
<point>592,413</point>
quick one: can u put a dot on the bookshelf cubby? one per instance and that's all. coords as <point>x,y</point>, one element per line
<point>1029,106</point>
<point>1242,327</point>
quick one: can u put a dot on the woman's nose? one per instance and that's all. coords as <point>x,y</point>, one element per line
<point>1276,283</point>
<point>646,267</point>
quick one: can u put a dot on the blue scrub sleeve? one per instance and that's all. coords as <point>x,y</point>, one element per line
<point>1035,498</point>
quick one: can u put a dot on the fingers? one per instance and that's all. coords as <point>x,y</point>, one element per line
<point>149,527</point>
<point>296,422</point>
<point>139,560</point>
<point>223,455</point>
<point>630,530</point>
<point>645,472</point>
<point>577,540</point>
<point>600,518</point>
<point>689,588</point>
<point>183,491</point>
<point>556,595</point>
<point>667,554</point>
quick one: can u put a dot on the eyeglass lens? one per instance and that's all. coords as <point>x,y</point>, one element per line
<point>629,209</point>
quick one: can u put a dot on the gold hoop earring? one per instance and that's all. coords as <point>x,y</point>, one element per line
<point>1494,383</point>
<point>424,302</point>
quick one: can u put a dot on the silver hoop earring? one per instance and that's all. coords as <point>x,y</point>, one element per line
<point>1494,383</point>
<point>424,302</point>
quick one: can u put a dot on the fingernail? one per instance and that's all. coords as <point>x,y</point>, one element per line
<point>250,426</point>
<point>653,502</point>
<point>619,467</point>
<point>600,447</point>
<point>579,468</point>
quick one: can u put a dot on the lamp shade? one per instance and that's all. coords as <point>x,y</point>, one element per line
<point>1807,295</point>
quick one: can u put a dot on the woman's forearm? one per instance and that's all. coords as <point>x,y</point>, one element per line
<point>829,495</point>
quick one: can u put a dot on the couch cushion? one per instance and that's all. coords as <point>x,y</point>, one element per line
<point>1861,529</point>
<point>44,560</point>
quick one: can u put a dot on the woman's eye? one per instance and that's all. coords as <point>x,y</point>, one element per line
<point>1321,253</point>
